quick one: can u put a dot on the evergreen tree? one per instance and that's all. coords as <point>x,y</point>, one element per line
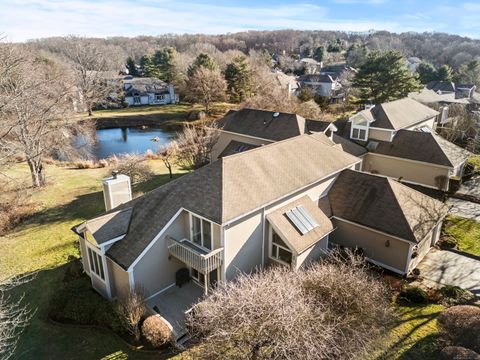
<point>239,79</point>
<point>202,61</point>
<point>444,73</point>
<point>148,67</point>
<point>131,66</point>
<point>164,60</point>
<point>384,77</point>
<point>318,53</point>
<point>469,73</point>
<point>426,73</point>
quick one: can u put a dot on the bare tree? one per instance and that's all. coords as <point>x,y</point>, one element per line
<point>14,317</point>
<point>132,311</point>
<point>331,310</point>
<point>206,86</point>
<point>167,153</point>
<point>195,144</point>
<point>36,104</point>
<point>89,66</point>
<point>134,166</point>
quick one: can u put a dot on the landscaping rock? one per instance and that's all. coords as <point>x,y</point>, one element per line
<point>457,353</point>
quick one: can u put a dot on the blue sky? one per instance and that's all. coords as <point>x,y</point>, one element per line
<point>26,19</point>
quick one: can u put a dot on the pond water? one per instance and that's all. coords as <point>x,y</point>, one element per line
<point>118,141</point>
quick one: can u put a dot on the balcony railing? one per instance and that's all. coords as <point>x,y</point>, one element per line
<point>194,256</point>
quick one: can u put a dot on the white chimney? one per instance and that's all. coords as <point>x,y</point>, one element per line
<point>116,190</point>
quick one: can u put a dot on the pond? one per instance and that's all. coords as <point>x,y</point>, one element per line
<point>130,140</point>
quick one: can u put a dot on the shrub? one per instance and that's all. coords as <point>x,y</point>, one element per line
<point>135,167</point>
<point>132,311</point>
<point>15,206</point>
<point>414,294</point>
<point>77,303</point>
<point>156,331</point>
<point>85,164</point>
<point>455,295</point>
<point>461,325</point>
<point>447,242</point>
<point>458,353</point>
<point>322,312</point>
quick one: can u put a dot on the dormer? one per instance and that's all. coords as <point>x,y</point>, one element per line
<point>360,125</point>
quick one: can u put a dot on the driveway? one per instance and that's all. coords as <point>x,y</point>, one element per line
<point>441,267</point>
<point>464,208</point>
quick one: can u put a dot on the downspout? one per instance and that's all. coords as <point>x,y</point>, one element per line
<point>263,237</point>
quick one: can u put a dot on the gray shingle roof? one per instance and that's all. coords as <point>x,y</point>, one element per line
<point>109,226</point>
<point>385,205</point>
<point>235,147</point>
<point>399,114</point>
<point>422,146</point>
<point>230,188</point>
<point>263,124</point>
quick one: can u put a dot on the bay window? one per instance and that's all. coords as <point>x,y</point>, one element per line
<point>279,250</point>
<point>96,263</point>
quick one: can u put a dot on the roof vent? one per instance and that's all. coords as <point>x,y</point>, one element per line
<point>276,114</point>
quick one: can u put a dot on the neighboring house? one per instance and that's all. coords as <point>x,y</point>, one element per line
<point>324,85</point>
<point>402,144</point>
<point>288,82</point>
<point>461,91</point>
<point>336,70</point>
<point>244,129</point>
<point>148,91</point>
<point>280,204</point>
<point>412,63</point>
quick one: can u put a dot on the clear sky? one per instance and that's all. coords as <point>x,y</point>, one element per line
<point>27,19</point>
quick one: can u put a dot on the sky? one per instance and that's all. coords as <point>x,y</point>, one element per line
<point>22,20</point>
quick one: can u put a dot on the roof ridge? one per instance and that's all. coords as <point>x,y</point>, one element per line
<point>439,146</point>
<point>392,190</point>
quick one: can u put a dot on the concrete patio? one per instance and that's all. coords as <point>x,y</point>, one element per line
<point>440,268</point>
<point>175,302</point>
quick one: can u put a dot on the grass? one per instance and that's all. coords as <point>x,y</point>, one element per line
<point>43,244</point>
<point>414,337</point>
<point>467,233</point>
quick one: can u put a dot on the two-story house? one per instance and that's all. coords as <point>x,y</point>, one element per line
<point>401,142</point>
<point>282,203</point>
<point>148,91</point>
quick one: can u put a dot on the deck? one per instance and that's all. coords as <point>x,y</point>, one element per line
<point>175,302</point>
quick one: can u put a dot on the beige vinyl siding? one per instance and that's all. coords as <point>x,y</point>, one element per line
<point>416,172</point>
<point>373,244</point>
<point>225,138</point>
<point>424,246</point>
<point>313,253</point>
<point>84,255</point>
<point>243,245</point>
<point>155,270</point>
<point>381,135</point>
<point>119,281</point>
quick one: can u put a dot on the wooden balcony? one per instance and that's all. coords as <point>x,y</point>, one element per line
<point>195,256</point>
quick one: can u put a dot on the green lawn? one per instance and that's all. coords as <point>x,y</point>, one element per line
<point>43,244</point>
<point>467,233</point>
<point>414,337</point>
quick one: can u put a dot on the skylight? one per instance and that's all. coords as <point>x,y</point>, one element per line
<point>301,218</point>
<point>372,145</point>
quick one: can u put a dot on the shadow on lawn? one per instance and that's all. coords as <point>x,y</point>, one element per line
<point>89,205</point>
<point>425,348</point>
<point>43,339</point>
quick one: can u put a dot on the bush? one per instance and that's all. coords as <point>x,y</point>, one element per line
<point>414,294</point>
<point>447,242</point>
<point>135,167</point>
<point>330,310</point>
<point>455,295</point>
<point>78,303</point>
<point>461,325</point>
<point>15,206</point>
<point>458,353</point>
<point>156,331</point>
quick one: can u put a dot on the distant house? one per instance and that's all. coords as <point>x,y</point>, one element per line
<point>402,144</point>
<point>323,85</point>
<point>148,91</point>
<point>461,91</point>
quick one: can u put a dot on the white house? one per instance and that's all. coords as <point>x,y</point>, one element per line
<point>148,91</point>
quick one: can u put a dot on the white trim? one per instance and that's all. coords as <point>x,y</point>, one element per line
<point>409,258</point>
<point>298,190</point>
<point>131,279</point>
<point>191,215</point>
<point>154,240</point>
<point>101,254</point>
<point>409,160</point>
<point>263,237</point>
<point>223,245</point>
<point>388,267</point>
<point>105,273</point>
<point>111,241</point>
<point>160,291</point>
<point>270,245</point>
<point>371,229</point>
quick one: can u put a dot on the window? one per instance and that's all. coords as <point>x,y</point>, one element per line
<point>159,97</point>
<point>359,134</point>
<point>96,263</point>
<point>201,232</point>
<point>136,99</point>
<point>280,250</point>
